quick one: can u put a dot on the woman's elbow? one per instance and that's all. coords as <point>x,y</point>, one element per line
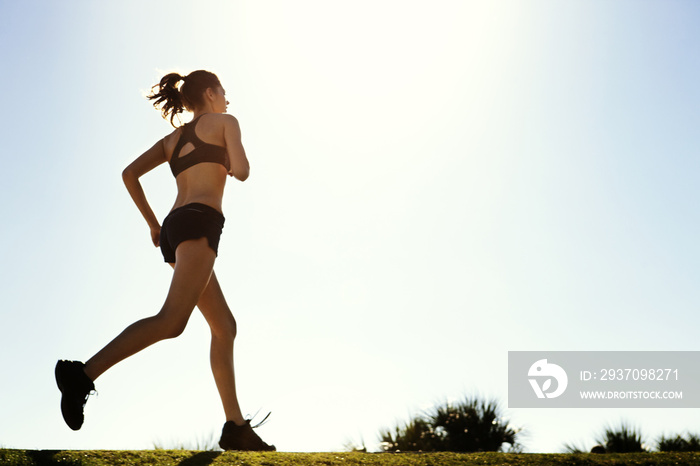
<point>241,171</point>
<point>241,174</point>
<point>128,176</point>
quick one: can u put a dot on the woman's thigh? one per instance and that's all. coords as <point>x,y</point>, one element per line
<point>193,268</point>
<point>215,310</point>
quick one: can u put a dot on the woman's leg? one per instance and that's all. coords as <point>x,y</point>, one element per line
<point>194,266</point>
<point>213,306</point>
<point>237,433</point>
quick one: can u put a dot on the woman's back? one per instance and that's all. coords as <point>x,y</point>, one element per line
<point>200,158</point>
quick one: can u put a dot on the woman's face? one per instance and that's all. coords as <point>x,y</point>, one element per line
<point>220,103</point>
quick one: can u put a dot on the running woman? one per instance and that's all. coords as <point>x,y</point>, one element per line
<point>201,154</point>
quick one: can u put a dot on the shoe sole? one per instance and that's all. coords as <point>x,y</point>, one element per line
<point>60,373</point>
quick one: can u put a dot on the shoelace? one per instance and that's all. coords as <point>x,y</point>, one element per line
<point>261,422</point>
<point>92,392</point>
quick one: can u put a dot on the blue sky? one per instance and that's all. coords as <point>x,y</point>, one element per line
<point>433,184</point>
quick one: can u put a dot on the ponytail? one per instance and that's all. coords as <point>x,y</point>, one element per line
<point>168,97</point>
<point>171,100</point>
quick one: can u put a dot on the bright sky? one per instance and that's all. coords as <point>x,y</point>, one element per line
<point>433,184</point>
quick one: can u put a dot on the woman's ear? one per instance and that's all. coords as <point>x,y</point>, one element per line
<point>211,95</point>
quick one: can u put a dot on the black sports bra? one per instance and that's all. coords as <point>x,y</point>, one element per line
<point>202,152</point>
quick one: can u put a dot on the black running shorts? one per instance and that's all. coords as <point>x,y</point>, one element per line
<point>191,221</point>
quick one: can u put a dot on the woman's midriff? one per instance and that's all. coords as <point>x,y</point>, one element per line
<point>203,184</point>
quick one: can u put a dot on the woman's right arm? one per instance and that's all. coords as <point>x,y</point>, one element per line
<point>131,174</point>
<point>240,168</point>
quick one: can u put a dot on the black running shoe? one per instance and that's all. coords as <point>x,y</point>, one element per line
<point>75,388</point>
<point>235,437</point>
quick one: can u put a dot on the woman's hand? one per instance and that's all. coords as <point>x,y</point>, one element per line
<point>155,235</point>
<point>131,174</point>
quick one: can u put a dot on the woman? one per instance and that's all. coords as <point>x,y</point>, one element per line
<point>200,153</point>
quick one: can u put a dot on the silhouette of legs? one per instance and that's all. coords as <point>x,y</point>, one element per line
<point>194,267</point>
<point>194,283</point>
<point>213,306</point>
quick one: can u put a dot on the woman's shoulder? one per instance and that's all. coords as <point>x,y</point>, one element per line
<point>216,124</point>
<point>173,136</point>
<point>217,119</point>
<point>175,132</point>
<point>170,141</point>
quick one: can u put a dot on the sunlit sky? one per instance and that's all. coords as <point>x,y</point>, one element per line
<point>433,184</point>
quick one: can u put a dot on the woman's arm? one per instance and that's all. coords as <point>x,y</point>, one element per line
<point>131,174</point>
<point>236,154</point>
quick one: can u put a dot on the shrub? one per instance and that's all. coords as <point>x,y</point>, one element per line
<point>416,435</point>
<point>470,426</point>
<point>678,443</point>
<point>624,439</point>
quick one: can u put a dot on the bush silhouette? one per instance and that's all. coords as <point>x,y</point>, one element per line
<point>678,443</point>
<point>623,439</point>
<point>416,435</point>
<point>470,426</point>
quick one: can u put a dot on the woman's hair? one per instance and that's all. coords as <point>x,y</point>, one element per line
<point>172,101</point>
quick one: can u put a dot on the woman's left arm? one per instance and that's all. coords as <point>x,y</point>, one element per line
<point>131,174</point>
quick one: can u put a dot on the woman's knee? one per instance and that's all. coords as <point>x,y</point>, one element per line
<point>169,327</point>
<point>226,328</point>
<point>233,329</point>
<point>174,330</point>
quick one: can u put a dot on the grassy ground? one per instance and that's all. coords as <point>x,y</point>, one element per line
<point>195,458</point>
